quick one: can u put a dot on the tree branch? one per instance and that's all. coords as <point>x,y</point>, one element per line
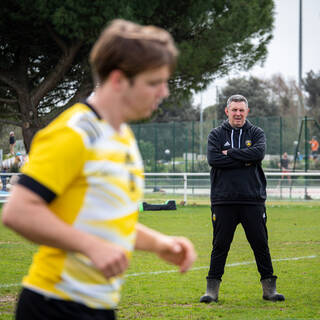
<point>7,78</point>
<point>10,101</point>
<point>84,90</point>
<point>15,123</point>
<point>58,40</point>
<point>56,74</point>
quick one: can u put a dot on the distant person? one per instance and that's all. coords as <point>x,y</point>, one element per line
<point>79,191</point>
<point>12,142</point>
<point>15,167</point>
<point>238,193</point>
<point>284,165</point>
<point>314,148</point>
<point>299,156</point>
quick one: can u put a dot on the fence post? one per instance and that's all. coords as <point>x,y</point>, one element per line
<point>139,129</point>
<point>186,152</point>
<point>306,144</point>
<point>174,146</point>
<point>155,147</point>
<point>281,141</point>
<point>185,184</point>
<point>192,145</point>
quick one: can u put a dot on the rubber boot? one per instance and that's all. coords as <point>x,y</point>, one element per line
<point>212,292</point>
<point>270,290</point>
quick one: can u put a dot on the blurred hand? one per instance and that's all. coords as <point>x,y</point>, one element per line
<point>108,258</point>
<point>177,250</point>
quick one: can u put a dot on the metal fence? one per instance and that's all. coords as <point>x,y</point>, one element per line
<point>181,146</point>
<point>188,187</point>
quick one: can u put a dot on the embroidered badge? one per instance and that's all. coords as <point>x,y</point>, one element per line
<point>248,143</point>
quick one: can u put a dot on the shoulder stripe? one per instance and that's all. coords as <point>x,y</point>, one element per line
<point>87,125</point>
<point>33,185</point>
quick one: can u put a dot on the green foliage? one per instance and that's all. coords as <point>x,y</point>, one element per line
<point>257,93</point>
<point>44,48</point>
<point>202,166</point>
<point>312,85</point>
<point>286,95</point>
<point>146,150</point>
<point>293,233</point>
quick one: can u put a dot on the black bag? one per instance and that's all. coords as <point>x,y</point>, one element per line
<point>168,205</point>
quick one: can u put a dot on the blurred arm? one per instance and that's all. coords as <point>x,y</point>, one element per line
<point>28,214</point>
<point>176,250</point>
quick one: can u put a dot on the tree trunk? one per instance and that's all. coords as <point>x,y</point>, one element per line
<point>29,118</point>
<point>28,133</point>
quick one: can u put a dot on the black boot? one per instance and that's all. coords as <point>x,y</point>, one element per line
<point>212,291</point>
<point>270,290</point>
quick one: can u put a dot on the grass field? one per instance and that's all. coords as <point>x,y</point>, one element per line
<point>154,290</point>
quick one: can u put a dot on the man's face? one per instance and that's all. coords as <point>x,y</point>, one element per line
<point>237,113</point>
<point>145,92</point>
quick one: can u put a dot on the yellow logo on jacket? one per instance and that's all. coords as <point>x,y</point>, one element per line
<point>248,143</point>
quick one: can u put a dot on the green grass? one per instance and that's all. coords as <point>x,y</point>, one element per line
<point>293,232</point>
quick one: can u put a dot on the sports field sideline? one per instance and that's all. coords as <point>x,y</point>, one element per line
<point>154,290</point>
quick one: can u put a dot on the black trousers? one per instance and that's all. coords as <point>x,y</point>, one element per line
<point>34,306</point>
<point>225,219</point>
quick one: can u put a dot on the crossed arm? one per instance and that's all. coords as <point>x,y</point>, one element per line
<point>234,157</point>
<point>28,214</point>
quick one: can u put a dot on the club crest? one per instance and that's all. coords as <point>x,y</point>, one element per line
<point>248,143</point>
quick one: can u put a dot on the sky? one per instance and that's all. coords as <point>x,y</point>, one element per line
<point>283,50</point>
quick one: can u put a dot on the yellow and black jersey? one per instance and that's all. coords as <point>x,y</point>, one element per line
<point>91,176</point>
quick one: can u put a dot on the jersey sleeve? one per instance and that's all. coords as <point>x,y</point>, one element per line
<point>56,158</point>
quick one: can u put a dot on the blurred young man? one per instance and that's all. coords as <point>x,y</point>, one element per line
<point>238,194</point>
<point>79,192</point>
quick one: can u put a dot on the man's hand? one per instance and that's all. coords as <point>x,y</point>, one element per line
<point>107,257</point>
<point>28,214</point>
<point>177,250</point>
<point>225,152</point>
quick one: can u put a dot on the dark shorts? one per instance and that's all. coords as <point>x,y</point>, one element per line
<point>34,306</point>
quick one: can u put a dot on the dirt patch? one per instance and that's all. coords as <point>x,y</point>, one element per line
<point>9,242</point>
<point>7,299</point>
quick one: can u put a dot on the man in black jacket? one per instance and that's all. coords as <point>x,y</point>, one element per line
<point>238,194</point>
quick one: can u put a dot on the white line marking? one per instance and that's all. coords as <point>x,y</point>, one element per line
<point>193,269</point>
<point>227,265</point>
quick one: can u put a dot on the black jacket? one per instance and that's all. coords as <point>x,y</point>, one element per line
<point>237,177</point>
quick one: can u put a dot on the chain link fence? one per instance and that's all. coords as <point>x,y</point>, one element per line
<point>181,146</point>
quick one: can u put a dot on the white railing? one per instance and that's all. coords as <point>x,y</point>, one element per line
<point>187,184</point>
<point>299,187</point>
<point>5,195</point>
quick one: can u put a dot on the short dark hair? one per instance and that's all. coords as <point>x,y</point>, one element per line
<point>131,48</point>
<point>237,98</point>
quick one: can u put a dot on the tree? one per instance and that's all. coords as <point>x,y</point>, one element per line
<point>177,108</point>
<point>44,47</point>
<point>311,85</point>
<point>286,95</point>
<point>261,101</point>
